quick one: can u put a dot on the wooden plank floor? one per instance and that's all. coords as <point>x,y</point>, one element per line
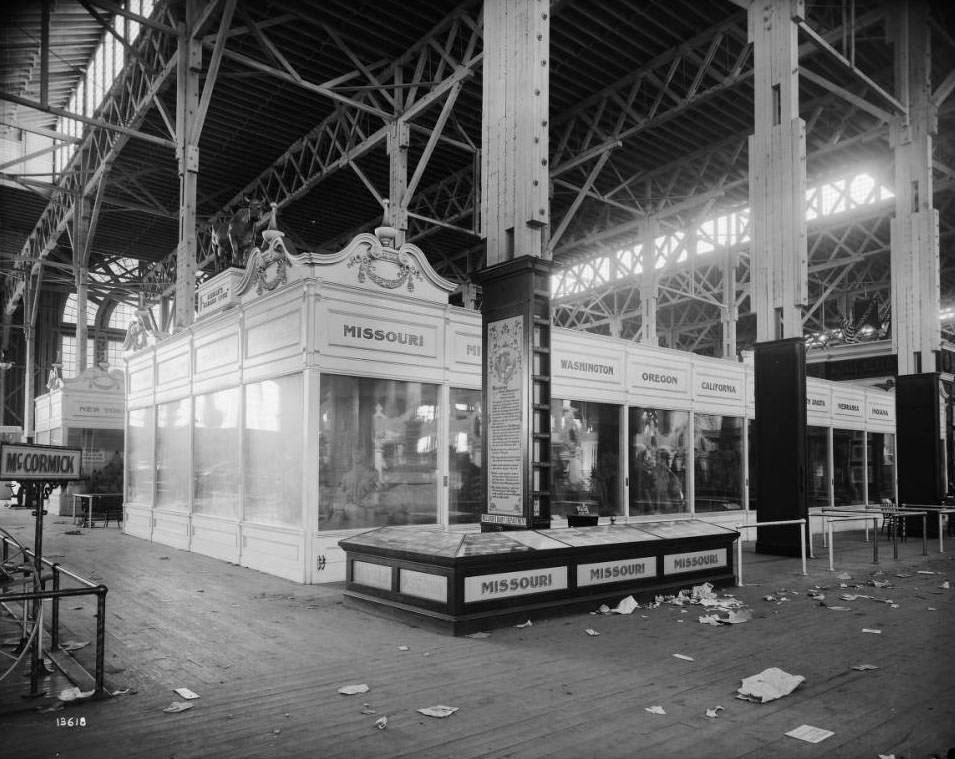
<point>267,657</point>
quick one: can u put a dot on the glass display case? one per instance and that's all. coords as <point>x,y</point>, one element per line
<point>717,463</point>
<point>585,445</point>
<point>658,461</point>
<point>216,457</point>
<point>818,462</point>
<point>379,444</point>
<point>274,438</point>
<point>848,457</point>
<point>465,464</point>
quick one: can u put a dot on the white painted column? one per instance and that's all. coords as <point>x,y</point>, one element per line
<point>916,332</point>
<point>730,312</point>
<point>649,285</point>
<point>777,173</point>
<point>515,207</point>
<point>187,153</point>
<point>398,140</point>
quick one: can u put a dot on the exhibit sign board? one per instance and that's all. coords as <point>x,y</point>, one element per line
<point>505,372</point>
<point>39,462</point>
<point>509,584</point>
<point>219,292</point>
<point>616,571</point>
<point>694,561</point>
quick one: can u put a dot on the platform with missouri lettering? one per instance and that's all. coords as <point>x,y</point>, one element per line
<point>460,582</point>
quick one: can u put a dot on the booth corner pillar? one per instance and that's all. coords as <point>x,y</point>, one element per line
<point>780,443</point>
<point>516,379</point>
<point>516,285</point>
<point>919,429</point>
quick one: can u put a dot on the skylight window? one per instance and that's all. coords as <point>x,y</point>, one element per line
<point>719,233</point>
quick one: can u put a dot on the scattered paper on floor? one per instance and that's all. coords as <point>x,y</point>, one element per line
<point>592,633</point>
<point>528,623</point>
<point>810,734</point>
<point>178,706</point>
<point>186,693</point>
<point>768,685</point>
<point>714,712</point>
<point>351,690</point>
<point>74,694</point>
<point>654,709</point>
<point>381,723</point>
<point>684,657</point>
<point>626,606</point>
<point>439,710</point>
<point>864,667</point>
<point>870,630</point>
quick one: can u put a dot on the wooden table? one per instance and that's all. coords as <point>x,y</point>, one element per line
<point>88,504</point>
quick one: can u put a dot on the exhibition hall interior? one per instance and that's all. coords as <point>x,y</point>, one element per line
<point>460,313</point>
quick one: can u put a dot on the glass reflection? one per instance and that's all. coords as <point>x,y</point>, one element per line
<point>847,461</point>
<point>139,452</point>
<point>657,461</point>
<point>274,432</point>
<point>466,496</point>
<point>585,439</point>
<point>718,462</point>
<point>881,454</point>
<point>818,442</point>
<point>378,449</point>
<point>172,455</point>
<point>217,453</point>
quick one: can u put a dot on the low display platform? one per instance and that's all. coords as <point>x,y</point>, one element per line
<point>462,582</point>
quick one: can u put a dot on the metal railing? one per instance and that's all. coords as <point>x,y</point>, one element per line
<point>87,588</point>
<point>739,544</point>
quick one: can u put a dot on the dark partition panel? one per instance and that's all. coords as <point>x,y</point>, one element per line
<point>919,444</point>
<point>781,431</point>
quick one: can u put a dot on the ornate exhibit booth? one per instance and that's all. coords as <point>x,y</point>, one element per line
<point>85,412</point>
<point>319,397</point>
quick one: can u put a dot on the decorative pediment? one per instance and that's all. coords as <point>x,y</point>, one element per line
<point>369,261</point>
<point>100,377</point>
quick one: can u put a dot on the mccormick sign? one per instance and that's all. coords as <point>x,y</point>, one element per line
<point>39,462</point>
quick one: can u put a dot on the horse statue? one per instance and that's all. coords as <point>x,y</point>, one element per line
<point>233,238</point>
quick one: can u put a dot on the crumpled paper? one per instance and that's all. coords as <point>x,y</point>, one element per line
<point>178,706</point>
<point>351,690</point>
<point>438,711</point>
<point>74,694</point>
<point>626,606</point>
<point>768,685</point>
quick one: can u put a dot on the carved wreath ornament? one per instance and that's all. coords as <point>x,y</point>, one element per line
<point>406,271</point>
<point>274,257</point>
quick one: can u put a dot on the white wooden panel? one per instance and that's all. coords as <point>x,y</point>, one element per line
<point>848,407</point>
<point>274,551</point>
<point>818,402</point>
<point>138,521</point>
<point>171,529</point>
<point>719,385</point>
<point>218,538</point>
<point>657,376</point>
<point>216,351</point>
<point>587,368</point>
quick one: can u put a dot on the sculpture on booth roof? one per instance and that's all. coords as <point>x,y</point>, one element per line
<point>142,331</point>
<point>272,259</point>
<point>54,380</point>
<point>404,270</point>
<point>233,238</point>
